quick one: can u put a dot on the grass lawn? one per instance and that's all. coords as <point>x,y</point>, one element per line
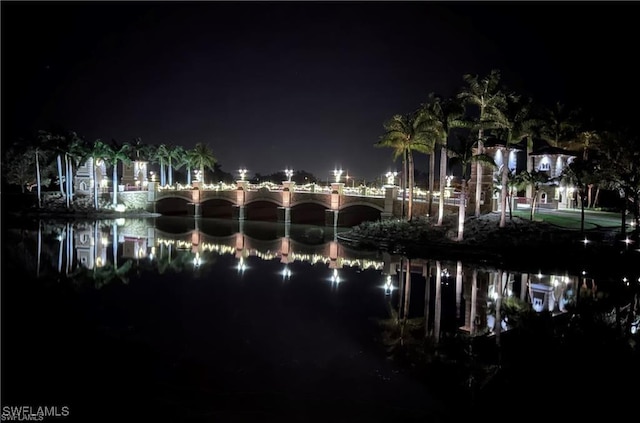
<point>571,220</point>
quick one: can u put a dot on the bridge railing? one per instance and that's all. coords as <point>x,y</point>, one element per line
<point>361,191</point>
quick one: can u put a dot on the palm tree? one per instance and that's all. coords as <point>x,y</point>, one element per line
<point>490,101</point>
<point>117,153</point>
<point>99,150</point>
<point>187,160</point>
<point>202,157</point>
<point>406,134</point>
<point>57,144</point>
<point>76,154</point>
<point>520,126</point>
<point>463,154</point>
<point>161,155</point>
<point>174,155</point>
<point>558,124</point>
<point>444,115</point>
<point>620,154</point>
<point>535,180</point>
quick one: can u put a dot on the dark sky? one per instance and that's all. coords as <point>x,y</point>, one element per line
<point>307,85</point>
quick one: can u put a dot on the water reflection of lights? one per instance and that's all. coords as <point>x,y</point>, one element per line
<point>585,241</point>
<point>286,273</point>
<point>445,273</point>
<point>197,261</point>
<point>335,277</point>
<point>241,265</point>
<point>388,286</point>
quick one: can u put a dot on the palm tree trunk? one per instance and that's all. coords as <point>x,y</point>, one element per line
<point>115,182</point>
<point>461,210</point>
<point>403,182</point>
<point>595,197</point>
<point>401,286</point>
<point>427,300</point>
<point>95,184</point>
<point>66,179</point>
<point>411,183</point>
<point>39,253</point>
<point>188,175</point>
<point>38,183</point>
<point>115,245</point>
<point>407,290</point>
<point>479,174</point>
<point>503,196</point>
<point>60,173</point>
<point>438,303</point>
<point>170,172</point>
<point>443,177</point>
<point>458,288</point>
<point>582,201</point>
<point>534,201</point>
<point>432,176</point>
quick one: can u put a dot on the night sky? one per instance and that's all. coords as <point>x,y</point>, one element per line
<point>307,85</point>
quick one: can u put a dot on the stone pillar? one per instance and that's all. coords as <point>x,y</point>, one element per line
<point>284,214</point>
<point>390,195</point>
<point>237,213</point>
<point>335,261</point>
<point>331,218</point>
<point>152,190</point>
<point>241,197</point>
<point>336,193</point>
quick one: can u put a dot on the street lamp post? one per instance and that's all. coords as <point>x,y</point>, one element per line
<point>242,172</point>
<point>337,173</point>
<point>391,176</point>
<point>289,173</point>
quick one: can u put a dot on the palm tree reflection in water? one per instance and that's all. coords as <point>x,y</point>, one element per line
<point>449,328</point>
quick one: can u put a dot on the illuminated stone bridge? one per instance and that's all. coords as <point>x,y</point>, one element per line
<point>245,201</point>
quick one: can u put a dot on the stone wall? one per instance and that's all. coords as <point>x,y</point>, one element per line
<point>134,200</point>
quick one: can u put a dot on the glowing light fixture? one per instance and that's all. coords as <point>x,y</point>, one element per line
<point>289,173</point>
<point>242,171</point>
<point>391,176</point>
<point>337,173</point>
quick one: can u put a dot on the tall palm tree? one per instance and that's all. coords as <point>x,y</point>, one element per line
<point>444,115</point>
<point>97,151</point>
<point>117,153</point>
<point>558,124</point>
<point>486,96</point>
<point>173,157</point>
<point>76,155</point>
<point>203,158</point>
<point>161,155</point>
<point>187,160</point>
<point>57,144</point>
<point>520,126</point>
<point>462,154</point>
<point>406,134</point>
<point>41,155</point>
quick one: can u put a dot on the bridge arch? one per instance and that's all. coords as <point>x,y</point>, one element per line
<point>217,208</point>
<point>173,206</point>
<point>358,212</point>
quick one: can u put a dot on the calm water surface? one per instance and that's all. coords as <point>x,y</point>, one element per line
<point>176,319</point>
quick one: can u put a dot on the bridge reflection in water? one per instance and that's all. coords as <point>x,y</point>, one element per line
<point>448,295</point>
